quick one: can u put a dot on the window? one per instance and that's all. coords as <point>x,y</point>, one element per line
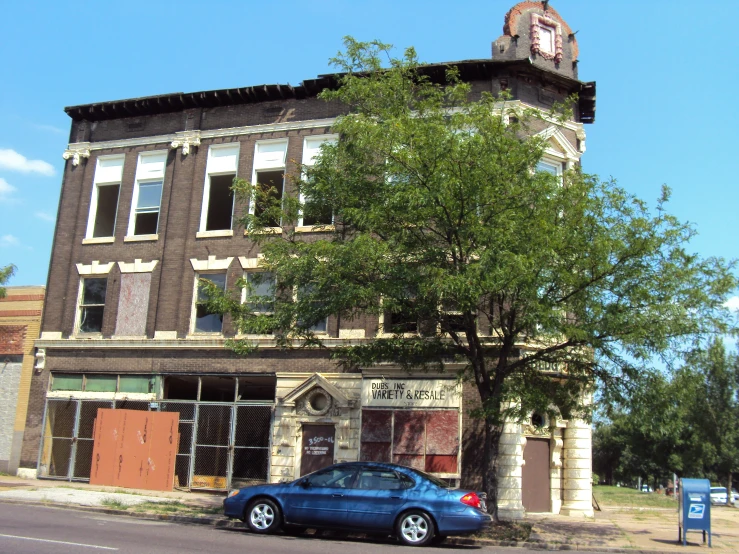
<point>551,167</point>
<point>218,198</point>
<point>314,213</point>
<point>376,479</point>
<point>260,292</point>
<point>147,194</point>
<point>400,318</point>
<point>320,326</point>
<point>104,201</point>
<point>92,304</point>
<point>546,38</point>
<point>268,178</point>
<point>205,320</point>
<point>340,478</point>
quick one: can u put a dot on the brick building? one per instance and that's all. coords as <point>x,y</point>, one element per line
<point>20,321</point>
<point>146,209</point>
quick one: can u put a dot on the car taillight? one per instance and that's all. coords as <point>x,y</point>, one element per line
<point>471,499</point>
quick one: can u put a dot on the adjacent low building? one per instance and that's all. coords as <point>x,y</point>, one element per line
<point>20,321</point>
<point>146,210</point>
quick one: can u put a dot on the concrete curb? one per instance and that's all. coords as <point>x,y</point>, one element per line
<point>223,523</point>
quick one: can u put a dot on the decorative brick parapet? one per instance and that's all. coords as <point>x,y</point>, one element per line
<point>511,21</point>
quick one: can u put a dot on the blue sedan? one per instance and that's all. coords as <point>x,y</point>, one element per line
<point>363,496</point>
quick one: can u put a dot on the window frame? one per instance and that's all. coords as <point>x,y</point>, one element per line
<point>195,298</point>
<point>104,177</point>
<point>80,298</point>
<point>154,175</point>
<point>246,274</point>
<point>215,168</point>
<point>263,166</point>
<point>309,155</point>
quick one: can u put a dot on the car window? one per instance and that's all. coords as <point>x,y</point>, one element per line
<point>336,477</point>
<point>375,479</point>
<point>435,480</point>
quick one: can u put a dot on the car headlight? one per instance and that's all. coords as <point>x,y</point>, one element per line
<point>233,493</point>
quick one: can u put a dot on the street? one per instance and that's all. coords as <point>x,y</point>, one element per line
<point>47,530</point>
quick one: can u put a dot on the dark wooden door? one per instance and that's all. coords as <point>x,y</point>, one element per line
<point>318,447</point>
<point>535,482</point>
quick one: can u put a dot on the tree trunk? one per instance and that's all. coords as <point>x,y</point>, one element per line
<point>491,454</point>
<point>729,496</point>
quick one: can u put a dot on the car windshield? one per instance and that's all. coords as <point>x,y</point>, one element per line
<point>718,489</point>
<point>435,480</point>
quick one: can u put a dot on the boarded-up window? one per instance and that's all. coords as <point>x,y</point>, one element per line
<point>424,439</point>
<point>133,304</point>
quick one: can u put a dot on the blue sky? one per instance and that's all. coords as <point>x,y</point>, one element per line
<point>666,74</point>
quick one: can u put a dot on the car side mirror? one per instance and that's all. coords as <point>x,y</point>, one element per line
<point>305,483</point>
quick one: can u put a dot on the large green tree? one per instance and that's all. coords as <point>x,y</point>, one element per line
<point>5,274</point>
<point>539,286</point>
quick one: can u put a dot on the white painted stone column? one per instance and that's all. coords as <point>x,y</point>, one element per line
<point>510,461</point>
<point>577,474</point>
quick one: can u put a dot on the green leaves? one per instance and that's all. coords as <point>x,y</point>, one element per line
<point>5,274</point>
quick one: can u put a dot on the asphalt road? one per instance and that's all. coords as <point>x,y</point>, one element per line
<point>48,530</point>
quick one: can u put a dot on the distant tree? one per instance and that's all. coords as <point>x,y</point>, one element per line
<point>715,413</point>
<point>5,274</point>
<point>442,226</point>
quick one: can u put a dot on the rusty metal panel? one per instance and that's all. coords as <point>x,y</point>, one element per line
<point>163,446</point>
<point>377,425</point>
<point>442,432</point>
<point>104,450</point>
<point>535,483</point>
<point>143,447</point>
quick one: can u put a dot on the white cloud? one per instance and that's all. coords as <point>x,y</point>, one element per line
<point>13,161</point>
<point>8,240</point>
<point>6,189</point>
<point>733,303</point>
<point>45,216</point>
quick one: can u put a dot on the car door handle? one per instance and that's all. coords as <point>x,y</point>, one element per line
<point>337,495</point>
<point>395,497</point>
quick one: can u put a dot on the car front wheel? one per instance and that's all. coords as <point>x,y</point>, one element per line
<point>415,528</point>
<point>263,516</point>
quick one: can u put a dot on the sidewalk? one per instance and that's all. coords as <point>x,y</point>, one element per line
<point>614,529</point>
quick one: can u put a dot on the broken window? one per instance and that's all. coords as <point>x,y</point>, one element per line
<point>104,202</point>
<point>314,213</point>
<point>218,200</point>
<point>269,180</point>
<point>207,321</point>
<point>92,304</point>
<point>270,185</point>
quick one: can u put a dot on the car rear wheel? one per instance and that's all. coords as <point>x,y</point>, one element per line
<point>263,516</point>
<point>415,528</point>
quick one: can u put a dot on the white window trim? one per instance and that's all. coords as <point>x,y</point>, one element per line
<point>258,167</point>
<point>130,236</point>
<point>194,309</point>
<point>94,198</point>
<point>202,232</point>
<point>321,139</point>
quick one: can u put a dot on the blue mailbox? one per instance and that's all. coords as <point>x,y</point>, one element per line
<point>694,508</point>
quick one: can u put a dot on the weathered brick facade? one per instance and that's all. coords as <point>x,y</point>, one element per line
<point>242,116</point>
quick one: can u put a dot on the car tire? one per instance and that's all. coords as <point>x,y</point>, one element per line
<point>415,528</point>
<point>263,516</point>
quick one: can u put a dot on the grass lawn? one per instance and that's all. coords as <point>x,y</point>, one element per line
<point>632,498</point>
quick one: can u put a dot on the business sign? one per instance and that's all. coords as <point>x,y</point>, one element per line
<point>410,393</point>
